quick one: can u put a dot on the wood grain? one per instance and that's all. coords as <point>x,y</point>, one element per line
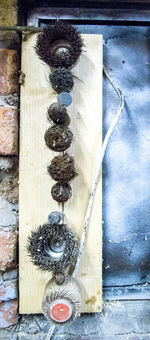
<point>35,184</point>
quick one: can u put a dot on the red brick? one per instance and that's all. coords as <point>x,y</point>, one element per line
<point>8,72</point>
<point>8,240</point>
<point>9,131</point>
<point>8,313</point>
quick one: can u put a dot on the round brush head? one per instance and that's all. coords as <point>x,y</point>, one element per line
<point>58,138</point>
<point>61,80</point>
<point>61,192</point>
<point>53,247</point>
<point>62,168</point>
<point>58,114</point>
<point>59,45</point>
<point>61,303</point>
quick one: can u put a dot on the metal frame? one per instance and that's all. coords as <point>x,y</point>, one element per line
<point>101,16</point>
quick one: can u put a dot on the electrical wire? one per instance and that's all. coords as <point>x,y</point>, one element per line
<point>98,170</point>
<point>50,333</point>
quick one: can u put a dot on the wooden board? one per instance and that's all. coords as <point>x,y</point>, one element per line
<point>35,184</point>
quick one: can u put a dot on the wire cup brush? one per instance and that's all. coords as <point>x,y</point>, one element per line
<point>59,45</point>
<point>53,247</point>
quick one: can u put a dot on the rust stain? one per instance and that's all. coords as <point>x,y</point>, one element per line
<point>91,300</point>
<point>83,274</point>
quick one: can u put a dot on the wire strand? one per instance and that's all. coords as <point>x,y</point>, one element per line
<point>50,333</point>
<point>98,170</point>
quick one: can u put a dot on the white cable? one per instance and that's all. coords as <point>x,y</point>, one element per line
<point>98,170</point>
<point>50,333</point>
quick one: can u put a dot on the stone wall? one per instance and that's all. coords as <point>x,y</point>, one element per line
<point>9,94</point>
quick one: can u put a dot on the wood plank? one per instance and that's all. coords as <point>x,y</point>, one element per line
<point>35,184</point>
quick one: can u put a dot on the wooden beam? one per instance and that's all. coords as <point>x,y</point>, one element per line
<point>35,184</point>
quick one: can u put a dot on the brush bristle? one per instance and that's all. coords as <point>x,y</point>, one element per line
<point>58,114</point>
<point>61,80</point>
<point>62,168</point>
<point>58,138</point>
<point>61,192</point>
<point>37,242</point>
<point>54,33</point>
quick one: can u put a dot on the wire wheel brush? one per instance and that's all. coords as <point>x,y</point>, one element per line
<point>62,304</point>
<point>53,247</point>
<point>59,45</point>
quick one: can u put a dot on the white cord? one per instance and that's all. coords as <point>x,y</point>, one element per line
<point>50,333</point>
<point>98,170</point>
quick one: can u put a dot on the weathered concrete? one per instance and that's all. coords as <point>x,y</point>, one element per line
<point>9,185</point>
<point>126,168</point>
<point>9,213</point>
<point>126,320</point>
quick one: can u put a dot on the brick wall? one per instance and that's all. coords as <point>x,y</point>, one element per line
<point>9,92</point>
